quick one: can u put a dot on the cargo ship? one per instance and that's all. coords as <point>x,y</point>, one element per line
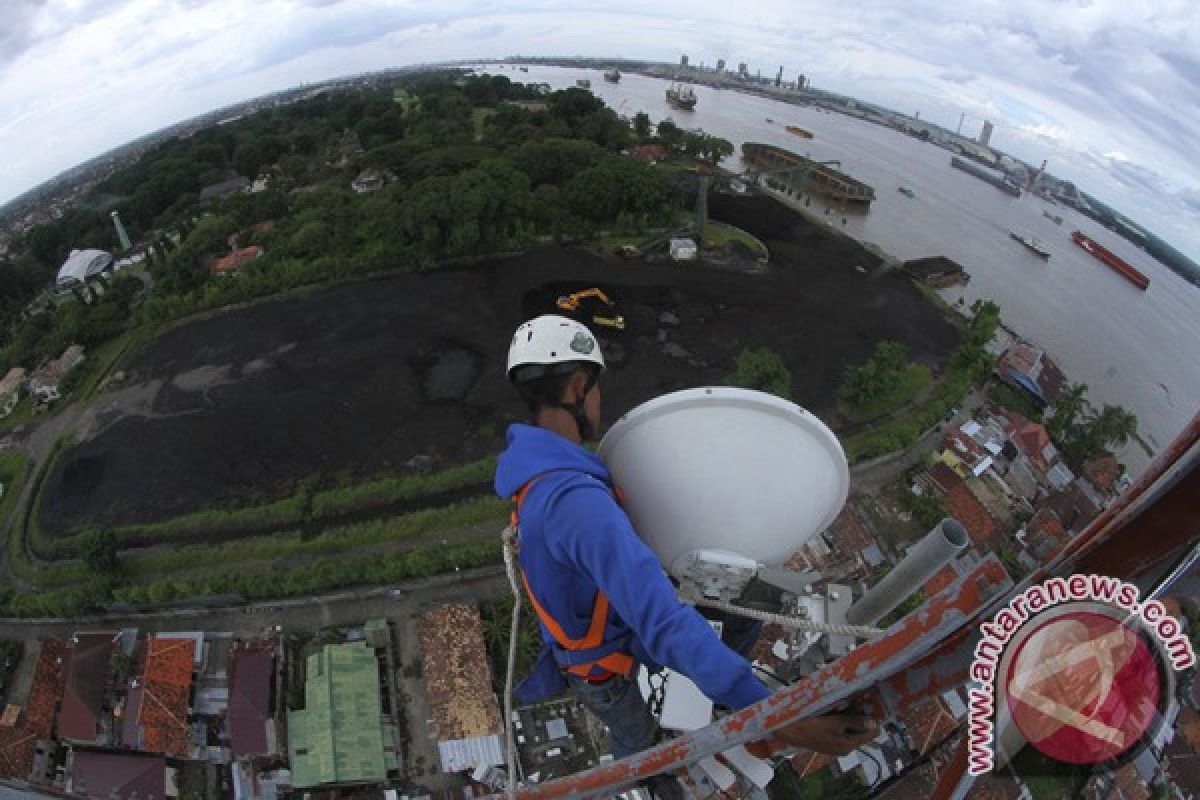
<point>806,175</point>
<point>798,131</point>
<point>612,75</point>
<point>987,176</point>
<point>1118,264</point>
<point>1033,244</point>
<point>681,97</point>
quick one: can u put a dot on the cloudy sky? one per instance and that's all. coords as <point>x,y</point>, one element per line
<point>1108,90</point>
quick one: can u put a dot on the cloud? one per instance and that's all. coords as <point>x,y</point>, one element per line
<point>957,75</point>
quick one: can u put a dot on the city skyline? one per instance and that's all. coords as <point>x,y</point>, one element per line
<point>1106,93</point>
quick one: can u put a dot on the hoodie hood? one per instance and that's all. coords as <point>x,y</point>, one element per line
<point>532,451</point>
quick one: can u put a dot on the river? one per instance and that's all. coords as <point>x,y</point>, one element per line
<point>1132,348</point>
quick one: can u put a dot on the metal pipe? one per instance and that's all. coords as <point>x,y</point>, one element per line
<point>926,557</point>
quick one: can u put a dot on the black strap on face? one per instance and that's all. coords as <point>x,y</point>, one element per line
<point>587,431</point>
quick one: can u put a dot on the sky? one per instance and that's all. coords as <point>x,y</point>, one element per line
<point>1107,90</point>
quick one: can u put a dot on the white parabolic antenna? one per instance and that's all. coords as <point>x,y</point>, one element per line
<point>728,470</point>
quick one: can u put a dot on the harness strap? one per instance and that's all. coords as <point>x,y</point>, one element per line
<point>579,656</point>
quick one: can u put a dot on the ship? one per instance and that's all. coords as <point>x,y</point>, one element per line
<point>987,176</point>
<point>806,175</point>
<point>583,83</point>
<point>1033,244</point>
<point>798,131</point>
<point>681,97</point>
<point>1055,218</point>
<point>612,75</point>
<point>1118,264</point>
<point>907,192</point>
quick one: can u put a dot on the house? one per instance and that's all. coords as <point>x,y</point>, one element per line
<point>117,776</point>
<point>1029,370</point>
<point>1072,506</point>
<point>1032,441</point>
<point>927,723</point>
<point>252,730</point>
<point>961,504</point>
<point>683,250</point>
<point>36,723</point>
<point>236,260</point>
<point>10,390</point>
<point>369,180</point>
<point>962,453</point>
<point>458,680</point>
<point>43,383</point>
<point>338,737</point>
<point>1103,472</point>
<point>87,671</point>
<point>1044,536</point>
<point>937,271</point>
<point>160,722</point>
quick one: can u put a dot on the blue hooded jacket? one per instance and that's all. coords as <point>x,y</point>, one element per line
<point>575,539</point>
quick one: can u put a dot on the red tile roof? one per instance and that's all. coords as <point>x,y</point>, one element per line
<point>119,776</point>
<point>37,722</point>
<point>251,667</point>
<point>86,680</point>
<point>962,505</point>
<point>237,259</point>
<point>928,722</point>
<point>1102,470</point>
<point>1030,438</point>
<point>1045,535</point>
<point>848,534</point>
<point>166,683</point>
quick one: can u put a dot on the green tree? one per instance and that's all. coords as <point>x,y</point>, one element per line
<point>1068,411</point>
<point>716,148</point>
<point>762,369</point>
<point>1114,426</point>
<point>670,134</point>
<point>641,124</point>
<point>100,551</point>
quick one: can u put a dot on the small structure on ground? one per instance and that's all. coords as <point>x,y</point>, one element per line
<point>236,260</point>
<point>81,267</point>
<point>43,383</point>
<point>683,250</point>
<point>10,390</point>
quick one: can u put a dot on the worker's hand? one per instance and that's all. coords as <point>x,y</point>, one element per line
<point>832,734</point>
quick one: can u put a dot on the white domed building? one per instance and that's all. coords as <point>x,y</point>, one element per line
<point>82,266</point>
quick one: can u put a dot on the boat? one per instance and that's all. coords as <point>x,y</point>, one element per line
<point>524,69</point>
<point>1001,183</point>
<point>681,97</point>
<point>805,175</point>
<point>798,131</point>
<point>1033,244</point>
<point>907,192</point>
<point>612,75</point>
<point>1055,218</point>
<point>583,83</point>
<point>770,121</point>
<point>1118,264</point>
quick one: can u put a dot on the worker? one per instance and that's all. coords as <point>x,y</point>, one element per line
<point>604,603</point>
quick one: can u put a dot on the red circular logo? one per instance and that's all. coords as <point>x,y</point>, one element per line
<point>1084,687</point>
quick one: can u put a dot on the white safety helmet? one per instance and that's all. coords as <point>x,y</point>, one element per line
<point>541,344</point>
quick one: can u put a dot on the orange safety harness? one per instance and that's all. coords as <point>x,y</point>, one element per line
<point>608,661</point>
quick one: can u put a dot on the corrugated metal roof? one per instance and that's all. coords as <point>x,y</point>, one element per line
<point>460,755</point>
<point>250,669</point>
<point>337,737</point>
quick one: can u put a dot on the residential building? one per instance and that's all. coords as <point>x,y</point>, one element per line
<point>19,743</point>
<point>1029,370</point>
<point>1033,441</point>
<point>10,390</point>
<point>466,717</point>
<point>43,383</point>
<point>1102,472</point>
<point>369,180</point>
<point>927,723</point>
<point>338,737</point>
<point>159,723</point>
<point>683,250</point>
<point>80,718</point>
<point>250,718</point>
<point>961,504</point>
<point>117,776</point>
<point>1072,506</point>
<point>236,260</point>
<point>1044,536</point>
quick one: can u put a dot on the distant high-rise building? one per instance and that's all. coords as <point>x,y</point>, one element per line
<point>779,77</point>
<point>743,70</point>
<point>122,236</point>
<point>801,82</point>
<point>985,135</point>
<point>720,65</point>
<point>683,60</point>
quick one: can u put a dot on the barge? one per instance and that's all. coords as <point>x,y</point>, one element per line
<point>806,175</point>
<point>1115,262</point>
<point>987,176</point>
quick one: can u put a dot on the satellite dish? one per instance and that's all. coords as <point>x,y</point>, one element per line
<point>725,471</point>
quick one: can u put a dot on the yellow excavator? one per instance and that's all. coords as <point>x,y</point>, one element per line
<point>572,303</point>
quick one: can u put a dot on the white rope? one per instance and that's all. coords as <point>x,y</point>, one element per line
<point>509,537</point>
<point>787,621</point>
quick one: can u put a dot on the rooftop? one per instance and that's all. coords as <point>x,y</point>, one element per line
<point>12,380</point>
<point>337,737</point>
<point>458,676</point>
<point>166,684</point>
<point>37,722</point>
<point>1102,470</point>
<point>237,259</point>
<point>962,505</point>
<point>250,669</point>
<point>86,680</point>
<point>118,776</point>
<point>928,723</point>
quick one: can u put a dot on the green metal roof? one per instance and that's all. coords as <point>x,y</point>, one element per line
<point>337,737</point>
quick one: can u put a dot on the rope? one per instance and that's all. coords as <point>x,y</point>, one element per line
<point>858,631</point>
<point>509,537</point>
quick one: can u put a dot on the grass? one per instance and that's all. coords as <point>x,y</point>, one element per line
<point>1009,398</point>
<point>479,118</point>
<point>14,465</point>
<point>21,414</point>
<point>720,233</point>
<point>907,386</point>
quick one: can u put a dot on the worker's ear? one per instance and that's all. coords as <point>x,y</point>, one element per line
<point>577,386</point>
